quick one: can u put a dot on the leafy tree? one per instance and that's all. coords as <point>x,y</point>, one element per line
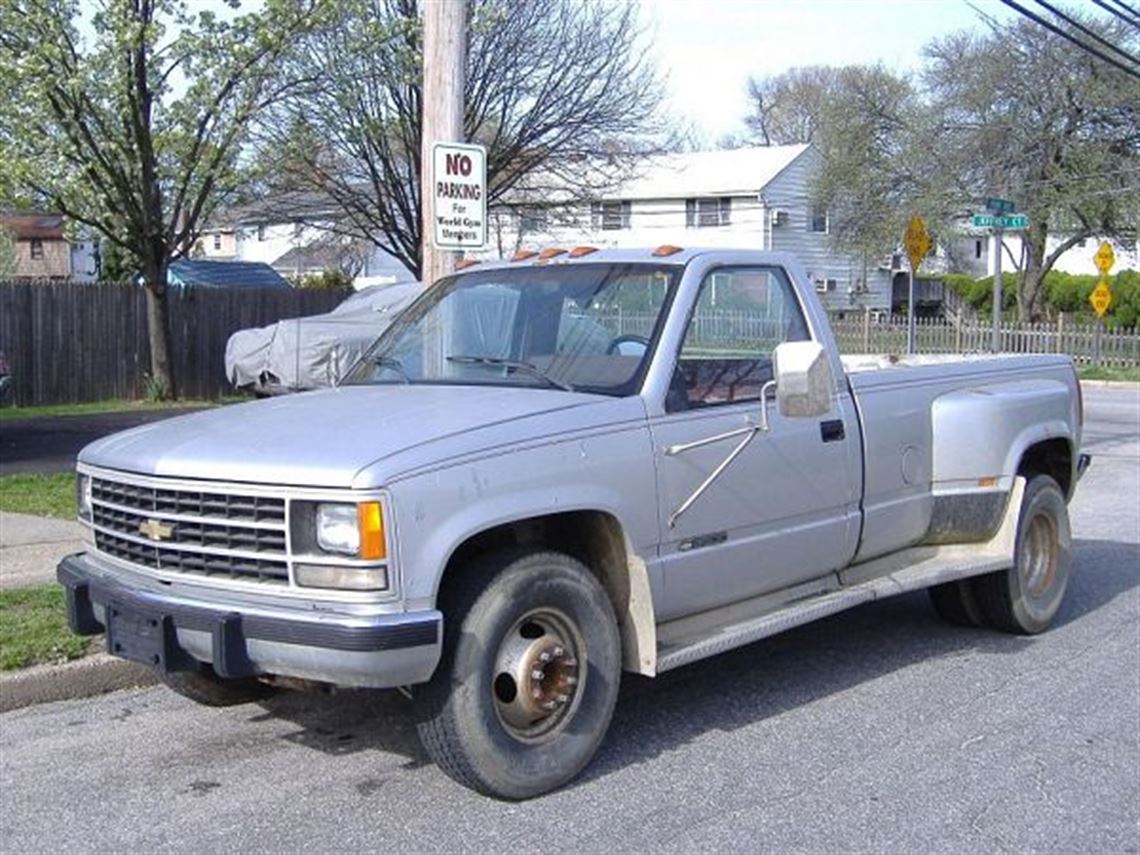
<point>551,87</point>
<point>871,129</point>
<point>136,132</point>
<point>7,253</point>
<point>1027,116</point>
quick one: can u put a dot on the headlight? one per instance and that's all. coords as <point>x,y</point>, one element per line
<point>83,496</point>
<point>356,530</point>
<point>337,529</point>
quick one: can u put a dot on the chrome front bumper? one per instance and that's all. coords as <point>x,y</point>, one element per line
<point>181,632</point>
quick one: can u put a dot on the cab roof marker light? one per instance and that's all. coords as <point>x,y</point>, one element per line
<point>464,263</point>
<point>579,251</point>
<point>550,252</point>
<point>523,255</point>
<point>666,250</point>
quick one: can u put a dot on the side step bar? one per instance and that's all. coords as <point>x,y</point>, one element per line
<point>690,639</point>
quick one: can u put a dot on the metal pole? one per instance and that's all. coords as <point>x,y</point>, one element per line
<point>910,313</point>
<point>995,343</point>
<point>445,26</point>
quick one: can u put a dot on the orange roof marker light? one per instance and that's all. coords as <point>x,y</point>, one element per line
<point>523,255</point>
<point>666,249</point>
<point>464,263</point>
<point>579,251</point>
<point>550,252</point>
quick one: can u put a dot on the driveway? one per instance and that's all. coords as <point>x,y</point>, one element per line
<point>50,443</point>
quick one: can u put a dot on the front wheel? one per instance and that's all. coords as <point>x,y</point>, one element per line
<point>529,676</point>
<point>1025,598</point>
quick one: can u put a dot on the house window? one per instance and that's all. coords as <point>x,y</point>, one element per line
<point>261,232</point>
<point>610,216</point>
<point>217,240</point>
<point>708,212</point>
<point>37,249</point>
<point>819,219</point>
<point>533,219</point>
<point>977,249</point>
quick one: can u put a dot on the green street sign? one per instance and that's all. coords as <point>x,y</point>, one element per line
<point>1000,206</point>
<point>1008,221</point>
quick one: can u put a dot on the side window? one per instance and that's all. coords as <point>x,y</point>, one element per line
<point>740,316</point>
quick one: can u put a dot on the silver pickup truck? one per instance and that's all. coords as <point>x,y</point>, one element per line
<point>552,470</point>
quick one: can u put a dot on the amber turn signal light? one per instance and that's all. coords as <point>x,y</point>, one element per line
<point>370,521</point>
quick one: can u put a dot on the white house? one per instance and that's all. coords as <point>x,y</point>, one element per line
<point>975,252</point>
<point>755,198</point>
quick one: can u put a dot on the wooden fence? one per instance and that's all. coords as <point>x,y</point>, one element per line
<point>70,343</point>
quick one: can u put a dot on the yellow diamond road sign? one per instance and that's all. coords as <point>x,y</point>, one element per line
<point>1104,257</point>
<point>917,241</point>
<point>1101,299</point>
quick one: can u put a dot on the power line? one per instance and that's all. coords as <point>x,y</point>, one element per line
<point>1079,26</point>
<point>1129,16</point>
<point>1053,28</point>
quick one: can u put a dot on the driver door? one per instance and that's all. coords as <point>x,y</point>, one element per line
<point>785,509</point>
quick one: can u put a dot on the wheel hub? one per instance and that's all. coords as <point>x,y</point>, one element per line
<point>1039,566</point>
<point>536,675</point>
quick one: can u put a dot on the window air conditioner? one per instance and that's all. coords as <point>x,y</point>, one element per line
<point>779,218</point>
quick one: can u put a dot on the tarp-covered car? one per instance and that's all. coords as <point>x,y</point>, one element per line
<point>314,352</point>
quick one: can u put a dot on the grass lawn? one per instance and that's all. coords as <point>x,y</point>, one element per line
<point>42,495</point>
<point>117,406</point>
<point>33,628</point>
<point>1092,372</point>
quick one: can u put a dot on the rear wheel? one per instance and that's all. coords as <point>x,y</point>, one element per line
<point>1025,598</point>
<point>955,603</point>
<point>207,688</point>
<point>529,676</point>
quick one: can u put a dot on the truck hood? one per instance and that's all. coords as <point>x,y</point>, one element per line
<point>327,438</point>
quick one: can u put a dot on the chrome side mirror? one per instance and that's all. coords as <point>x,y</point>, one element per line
<point>804,383</point>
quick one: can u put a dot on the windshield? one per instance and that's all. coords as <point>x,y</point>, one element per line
<point>580,327</point>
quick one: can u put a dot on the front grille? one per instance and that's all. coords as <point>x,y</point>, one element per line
<point>189,502</point>
<point>201,533</point>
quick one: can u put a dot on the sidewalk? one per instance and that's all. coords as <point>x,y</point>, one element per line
<point>31,547</point>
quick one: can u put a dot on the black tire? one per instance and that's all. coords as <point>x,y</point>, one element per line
<point>476,720</point>
<point>206,688</point>
<point>1025,598</point>
<point>956,604</point>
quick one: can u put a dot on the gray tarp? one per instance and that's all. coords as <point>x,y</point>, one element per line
<point>308,353</point>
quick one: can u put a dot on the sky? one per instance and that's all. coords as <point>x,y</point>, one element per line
<point>709,48</point>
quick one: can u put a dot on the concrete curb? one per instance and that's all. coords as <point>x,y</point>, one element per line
<point>83,678</point>
<point>1111,384</point>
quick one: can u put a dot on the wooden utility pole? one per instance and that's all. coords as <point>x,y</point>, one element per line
<point>445,38</point>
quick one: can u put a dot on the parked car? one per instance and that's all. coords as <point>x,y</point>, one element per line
<point>314,351</point>
<point>505,516</point>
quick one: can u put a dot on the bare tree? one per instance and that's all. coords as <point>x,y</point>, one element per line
<point>559,91</point>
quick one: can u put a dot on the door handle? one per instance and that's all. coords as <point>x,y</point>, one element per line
<point>832,431</point>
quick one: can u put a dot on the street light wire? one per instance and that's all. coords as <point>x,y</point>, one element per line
<point>1053,28</point>
<point>1082,28</point>
<point>1128,16</point>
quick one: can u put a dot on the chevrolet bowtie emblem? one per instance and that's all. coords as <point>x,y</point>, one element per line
<point>156,529</point>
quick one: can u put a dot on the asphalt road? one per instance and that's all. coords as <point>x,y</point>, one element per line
<point>50,443</point>
<point>878,730</point>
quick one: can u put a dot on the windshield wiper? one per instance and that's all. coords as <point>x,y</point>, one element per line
<point>512,365</point>
<point>393,364</point>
